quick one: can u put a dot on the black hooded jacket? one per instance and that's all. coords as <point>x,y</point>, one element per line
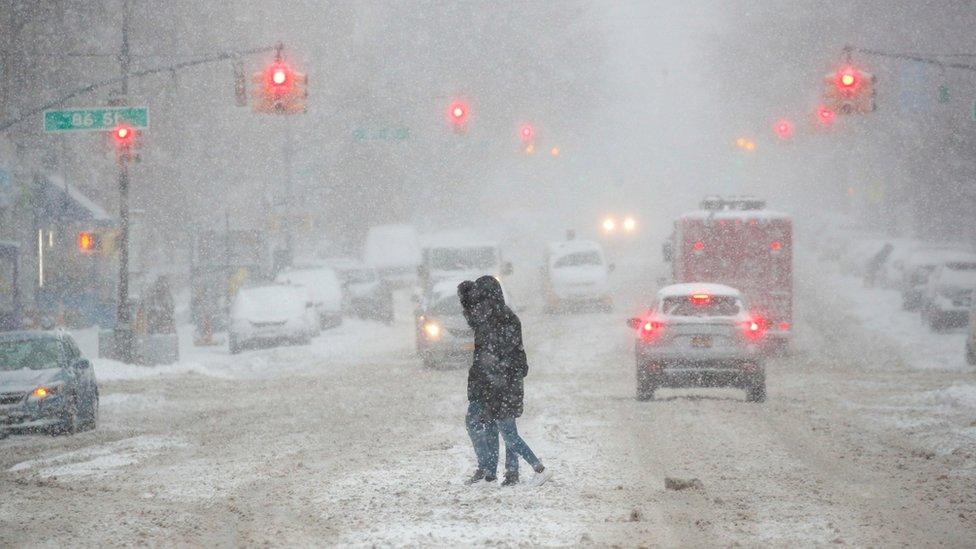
<point>496,375</point>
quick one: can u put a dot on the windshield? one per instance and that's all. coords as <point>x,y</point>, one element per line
<point>714,306</point>
<point>274,298</point>
<point>447,306</point>
<point>33,354</point>
<point>462,259</point>
<point>579,259</point>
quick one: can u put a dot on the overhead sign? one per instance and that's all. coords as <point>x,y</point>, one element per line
<point>95,119</point>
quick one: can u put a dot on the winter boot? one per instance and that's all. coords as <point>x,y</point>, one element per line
<point>477,476</point>
<point>511,479</point>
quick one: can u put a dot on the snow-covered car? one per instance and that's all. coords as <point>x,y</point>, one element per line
<point>394,251</point>
<point>699,335</point>
<point>45,384</point>
<point>442,333</point>
<point>271,315</point>
<point>948,295</point>
<point>325,289</point>
<point>364,294</point>
<point>891,273</point>
<point>576,273</point>
<point>918,268</point>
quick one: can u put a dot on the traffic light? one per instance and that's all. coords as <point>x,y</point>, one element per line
<point>86,242</point>
<point>784,129</point>
<point>124,136</point>
<point>457,114</point>
<point>279,89</point>
<point>849,90</point>
<point>825,116</point>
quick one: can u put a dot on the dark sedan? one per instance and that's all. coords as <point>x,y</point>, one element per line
<point>45,384</point>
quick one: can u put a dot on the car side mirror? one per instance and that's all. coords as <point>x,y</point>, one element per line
<point>634,323</point>
<point>507,268</point>
<point>82,364</point>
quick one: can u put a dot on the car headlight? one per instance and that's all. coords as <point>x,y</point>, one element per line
<point>44,391</point>
<point>432,329</point>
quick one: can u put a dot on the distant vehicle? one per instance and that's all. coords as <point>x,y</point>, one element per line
<point>948,294</point>
<point>739,243</point>
<point>45,384</point>
<point>456,257</point>
<point>892,271</point>
<point>366,296</point>
<point>394,251</point>
<point>269,316</point>
<point>442,333</point>
<point>576,274</point>
<point>918,268</point>
<point>324,287</point>
<point>699,335</point>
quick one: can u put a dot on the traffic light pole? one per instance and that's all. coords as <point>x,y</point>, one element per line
<point>124,336</point>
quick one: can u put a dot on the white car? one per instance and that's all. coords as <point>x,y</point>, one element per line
<point>576,272</point>
<point>948,294</point>
<point>325,289</point>
<point>919,267</point>
<point>699,335</point>
<point>269,316</point>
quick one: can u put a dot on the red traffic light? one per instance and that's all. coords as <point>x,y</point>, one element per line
<point>86,241</point>
<point>825,115</point>
<point>123,135</point>
<point>848,80</point>
<point>526,133</point>
<point>457,112</point>
<point>280,78</point>
<point>783,128</point>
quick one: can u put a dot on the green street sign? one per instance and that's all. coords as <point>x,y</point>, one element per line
<point>95,119</point>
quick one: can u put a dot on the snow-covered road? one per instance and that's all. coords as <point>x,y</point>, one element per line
<point>350,441</point>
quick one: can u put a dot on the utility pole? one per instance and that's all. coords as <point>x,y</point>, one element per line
<point>124,336</point>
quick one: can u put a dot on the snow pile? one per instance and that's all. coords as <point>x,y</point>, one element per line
<point>99,460</point>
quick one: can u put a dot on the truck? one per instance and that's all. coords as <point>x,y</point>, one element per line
<point>458,256</point>
<point>739,243</point>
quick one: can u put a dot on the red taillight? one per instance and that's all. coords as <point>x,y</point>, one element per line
<point>650,329</point>
<point>699,246</point>
<point>776,245</point>
<point>754,328</point>
<point>700,299</point>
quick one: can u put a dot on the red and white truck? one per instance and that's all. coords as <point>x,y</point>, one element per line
<point>739,243</point>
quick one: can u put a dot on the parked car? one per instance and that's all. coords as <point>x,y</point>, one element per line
<point>949,292</point>
<point>918,267</point>
<point>699,335</point>
<point>442,334</point>
<point>325,289</point>
<point>576,274</point>
<point>271,315</point>
<point>45,384</point>
<point>366,296</point>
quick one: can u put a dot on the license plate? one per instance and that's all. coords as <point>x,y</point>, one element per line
<point>701,342</point>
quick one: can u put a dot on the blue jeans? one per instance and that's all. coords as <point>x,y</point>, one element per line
<point>484,439</point>
<point>515,446</point>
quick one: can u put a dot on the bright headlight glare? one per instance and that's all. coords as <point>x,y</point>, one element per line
<point>432,329</point>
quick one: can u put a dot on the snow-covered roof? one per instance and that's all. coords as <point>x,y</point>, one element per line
<point>762,215</point>
<point>940,255</point>
<point>689,288</point>
<point>455,239</point>
<point>566,247</point>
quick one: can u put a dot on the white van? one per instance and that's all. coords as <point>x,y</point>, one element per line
<point>394,251</point>
<point>453,257</point>
<point>576,274</point>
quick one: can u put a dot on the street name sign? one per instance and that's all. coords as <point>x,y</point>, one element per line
<point>96,119</point>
